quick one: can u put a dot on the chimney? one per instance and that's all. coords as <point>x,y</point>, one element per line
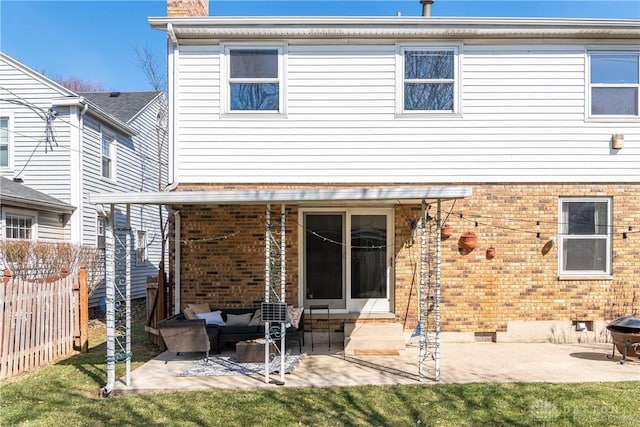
<point>178,8</point>
<point>426,7</point>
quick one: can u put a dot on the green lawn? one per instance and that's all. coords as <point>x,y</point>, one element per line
<point>67,394</point>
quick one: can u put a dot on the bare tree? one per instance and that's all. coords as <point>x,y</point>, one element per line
<point>78,85</point>
<point>149,64</point>
<point>151,68</point>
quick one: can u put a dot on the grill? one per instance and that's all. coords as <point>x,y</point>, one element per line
<point>625,334</point>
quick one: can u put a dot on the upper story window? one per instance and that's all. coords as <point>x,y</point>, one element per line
<point>430,79</point>
<point>5,142</point>
<point>20,225</point>
<point>254,79</point>
<point>585,243</point>
<point>614,83</point>
<point>108,154</point>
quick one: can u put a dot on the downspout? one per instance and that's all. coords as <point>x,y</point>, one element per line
<point>176,260</point>
<point>173,49</point>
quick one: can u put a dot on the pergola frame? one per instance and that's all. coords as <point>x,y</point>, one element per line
<point>304,197</point>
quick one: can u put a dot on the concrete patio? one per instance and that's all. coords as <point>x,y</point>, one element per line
<point>460,363</point>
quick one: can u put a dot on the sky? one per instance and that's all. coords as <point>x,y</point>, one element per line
<point>96,41</point>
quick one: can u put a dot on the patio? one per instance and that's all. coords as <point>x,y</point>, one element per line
<point>460,363</point>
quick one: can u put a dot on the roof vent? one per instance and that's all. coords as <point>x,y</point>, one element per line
<point>114,94</point>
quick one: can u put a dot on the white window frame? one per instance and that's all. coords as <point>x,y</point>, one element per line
<point>101,232</point>
<point>142,252</point>
<point>10,141</point>
<point>456,48</point>
<point>351,305</point>
<point>584,274</point>
<point>608,50</point>
<point>20,213</point>
<point>112,153</point>
<point>225,79</point>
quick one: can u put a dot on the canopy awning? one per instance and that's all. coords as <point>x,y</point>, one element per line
<point>389,194</point>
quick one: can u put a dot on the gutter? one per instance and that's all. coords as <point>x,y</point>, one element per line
<point>395,27</point>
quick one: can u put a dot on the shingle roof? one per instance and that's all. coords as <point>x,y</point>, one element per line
<point>18,194</point>
<point>122,105</point>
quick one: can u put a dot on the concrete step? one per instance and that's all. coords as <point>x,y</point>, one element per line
<point>373,338</point>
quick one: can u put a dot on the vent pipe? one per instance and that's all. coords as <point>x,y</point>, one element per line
<point>426,7</point>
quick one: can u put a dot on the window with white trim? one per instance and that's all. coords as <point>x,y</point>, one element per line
<point>429,79</point>
<point>19,226</point>
<point>585,237</point>
<point>108,154</point>
<point>254,76</point>
<point>141,246</point>
<point>4,142</point>
<point>101,233</point>
<point>614,83</point>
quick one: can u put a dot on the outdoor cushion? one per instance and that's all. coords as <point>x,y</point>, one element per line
<point>212,318</point>
<point>238,330</point>
<point>189,314</point>
<point>200,308</point>
<point>256,320</point>
<point>238,319</point>
<point>294,315</point>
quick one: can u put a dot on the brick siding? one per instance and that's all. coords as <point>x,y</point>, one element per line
<point>478,295</point>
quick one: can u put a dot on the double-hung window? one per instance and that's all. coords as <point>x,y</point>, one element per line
<point>430,79</point>
<point>254,78</point>
<point>108,151</point>
<point>614,83</point>
<point>20,225</point>
<point>585,230</point>
<point>5,142</point>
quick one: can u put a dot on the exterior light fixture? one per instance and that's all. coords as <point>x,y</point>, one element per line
<point>617,141</point>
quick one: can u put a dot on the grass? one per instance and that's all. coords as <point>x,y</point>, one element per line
<point>67,393</point>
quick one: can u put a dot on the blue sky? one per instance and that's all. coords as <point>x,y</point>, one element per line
<point>95,40</point>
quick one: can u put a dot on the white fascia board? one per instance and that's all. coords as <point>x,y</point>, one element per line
<point>324,195</point>
<point>395,27</point>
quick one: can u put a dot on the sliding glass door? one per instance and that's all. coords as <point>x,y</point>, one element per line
<point>346,259</point>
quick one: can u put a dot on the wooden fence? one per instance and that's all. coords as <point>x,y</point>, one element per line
<point>42,322</point>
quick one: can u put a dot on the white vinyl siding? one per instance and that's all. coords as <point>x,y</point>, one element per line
<point>523,121</point>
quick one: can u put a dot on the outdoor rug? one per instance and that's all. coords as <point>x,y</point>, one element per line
<point>228,365</point>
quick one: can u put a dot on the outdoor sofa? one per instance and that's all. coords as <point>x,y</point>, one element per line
<point>182,334</point>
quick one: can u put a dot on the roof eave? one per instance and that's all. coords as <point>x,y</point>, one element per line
<point>396,27</point>
<point>44,206</point>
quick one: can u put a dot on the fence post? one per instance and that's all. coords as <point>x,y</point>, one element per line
<point>83,308</point>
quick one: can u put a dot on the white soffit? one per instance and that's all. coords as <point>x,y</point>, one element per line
<point>289,196</point>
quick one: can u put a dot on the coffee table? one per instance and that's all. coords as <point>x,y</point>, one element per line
<point>253,351</point>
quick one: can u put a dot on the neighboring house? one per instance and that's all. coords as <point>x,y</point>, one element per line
<point>539,117</point>
<point>57,147</point>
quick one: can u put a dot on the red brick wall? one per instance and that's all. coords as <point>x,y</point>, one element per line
<point>478,295</point>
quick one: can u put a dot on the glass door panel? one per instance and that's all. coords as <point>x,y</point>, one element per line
<point>323,260</point>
